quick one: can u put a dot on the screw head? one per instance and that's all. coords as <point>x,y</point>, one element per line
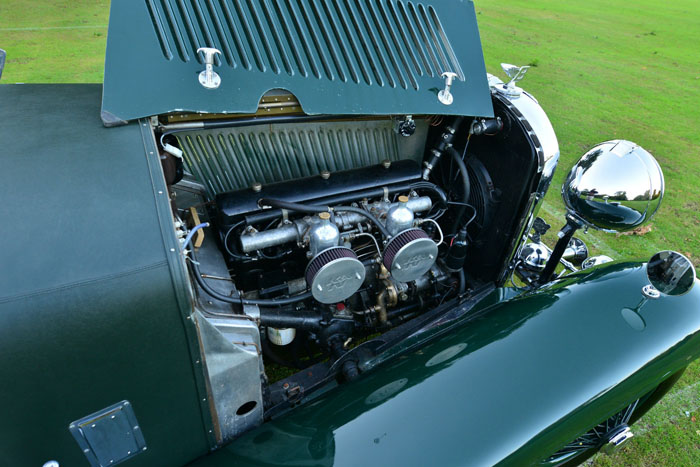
<point>325,174</point>
<point>256,187</point>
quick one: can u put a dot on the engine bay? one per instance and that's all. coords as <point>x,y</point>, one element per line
<point>313,249</point>
<point>359,257</point>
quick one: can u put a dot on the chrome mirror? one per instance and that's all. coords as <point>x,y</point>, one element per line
<point>594,261</point>
<point>671,273</point>
<point>615,187</point>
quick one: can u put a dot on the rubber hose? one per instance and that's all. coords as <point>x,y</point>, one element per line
<point>432,188</point>
<point>457,157</point>
<point>462,282</point>
<point>298,320</point>
<point>288,205</point>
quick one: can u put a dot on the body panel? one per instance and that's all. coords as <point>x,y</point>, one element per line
<point>92,310</point>
<point>511,383</point>
<point>337,58</point>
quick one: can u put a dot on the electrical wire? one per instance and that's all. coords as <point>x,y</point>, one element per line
<point>471,219</point>
<point>364,234</point>
<point>194,230</point>
<point>442,238</point>
<point>239,300</point>
<point>228,250</point>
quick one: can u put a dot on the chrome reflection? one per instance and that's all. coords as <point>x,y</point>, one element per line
<point>615,187</point>
<point>596,261</point>
<point>576,251</point>
<point>671,273</point>
<point>534,256</point>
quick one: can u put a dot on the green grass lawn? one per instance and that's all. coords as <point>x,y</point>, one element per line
<point>617,69</point>
<point>602,70</point>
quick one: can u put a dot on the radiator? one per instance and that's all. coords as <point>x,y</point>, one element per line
<point>233,158</point>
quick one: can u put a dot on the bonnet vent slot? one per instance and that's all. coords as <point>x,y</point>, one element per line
<point>337,57</point>
<point>377,43</point>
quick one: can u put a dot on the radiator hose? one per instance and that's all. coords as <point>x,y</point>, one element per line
<point>466,187</point>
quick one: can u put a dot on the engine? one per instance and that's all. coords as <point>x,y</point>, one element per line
<point>363,243</point>
<point>324,245</point>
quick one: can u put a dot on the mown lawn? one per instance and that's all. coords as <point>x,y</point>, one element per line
<point>617,69</point>
<point>602,69</point>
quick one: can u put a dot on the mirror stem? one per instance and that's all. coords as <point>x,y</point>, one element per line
<point>565,234</point>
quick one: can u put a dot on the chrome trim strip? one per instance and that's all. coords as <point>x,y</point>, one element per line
<point>541,132</point>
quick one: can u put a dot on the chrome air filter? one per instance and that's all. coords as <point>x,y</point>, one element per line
<point>409,255</point>
<point>334,274</point>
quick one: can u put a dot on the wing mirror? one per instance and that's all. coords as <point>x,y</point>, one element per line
<point>669,273</point>
<point>615,187</point>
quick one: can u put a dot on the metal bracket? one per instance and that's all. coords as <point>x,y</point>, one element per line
<point>650,291</point>
<point>109,436</point>
<point>209,78</point>
<point>445,96</point>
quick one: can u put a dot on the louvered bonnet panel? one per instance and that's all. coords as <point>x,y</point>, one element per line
<point>335,56</point>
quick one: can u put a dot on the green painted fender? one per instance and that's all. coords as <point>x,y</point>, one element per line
<point>511,383</point>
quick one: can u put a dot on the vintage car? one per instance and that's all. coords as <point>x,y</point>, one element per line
<point>306,233</point>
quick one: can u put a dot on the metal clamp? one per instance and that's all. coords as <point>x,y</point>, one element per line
<point>209,78</point>
<point>444,95</point>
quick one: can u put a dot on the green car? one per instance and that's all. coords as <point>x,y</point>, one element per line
<point>305,233</point>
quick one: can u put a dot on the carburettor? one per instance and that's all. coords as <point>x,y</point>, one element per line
<point>334,272</point>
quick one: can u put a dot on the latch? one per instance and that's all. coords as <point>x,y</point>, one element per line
<point>445,96</point>
<point>209,78</point>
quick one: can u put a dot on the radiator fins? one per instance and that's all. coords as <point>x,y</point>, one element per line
<point>234,158</point>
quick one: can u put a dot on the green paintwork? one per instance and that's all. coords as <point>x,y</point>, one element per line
<point>368,58</point>
<point>92,301</point>
<point>517,380</point>
<point>104,318</point>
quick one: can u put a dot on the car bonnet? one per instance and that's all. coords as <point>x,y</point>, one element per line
<point>328,56</point>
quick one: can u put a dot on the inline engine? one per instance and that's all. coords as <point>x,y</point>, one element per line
<point>351,252</point>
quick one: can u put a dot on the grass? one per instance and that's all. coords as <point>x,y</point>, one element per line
<point>614,69</point>
<point>602,70</point>
<point>53,41</point>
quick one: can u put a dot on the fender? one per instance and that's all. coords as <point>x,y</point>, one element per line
<point>553,363</point>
